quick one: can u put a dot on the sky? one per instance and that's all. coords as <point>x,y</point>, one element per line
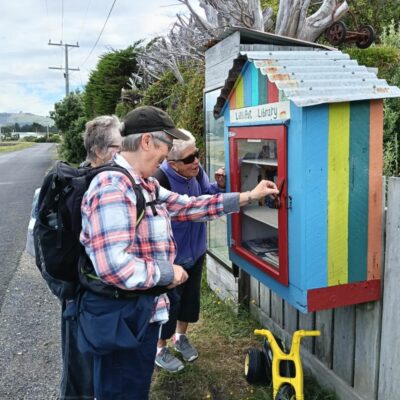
<point>27,26</point>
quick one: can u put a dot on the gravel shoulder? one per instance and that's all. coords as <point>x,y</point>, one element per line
<point>30,354</point>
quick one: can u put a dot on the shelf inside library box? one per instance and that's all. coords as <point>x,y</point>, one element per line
<point>261,161</point>
<point>264,214</point>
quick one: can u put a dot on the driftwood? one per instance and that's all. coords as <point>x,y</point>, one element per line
<point>186,39</point>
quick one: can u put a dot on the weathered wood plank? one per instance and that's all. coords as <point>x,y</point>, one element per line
<point>221,281</point>
<point>306,321</point>
<point>343,343</point>
<point>291,318</point>
<point>277,308</point>
<point>389,370</point>
<point>254,291</point>
<point>323,343</point>
<point>366,357</point>
<point>265,299</point>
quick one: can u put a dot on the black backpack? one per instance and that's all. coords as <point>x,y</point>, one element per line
<point>58,250</point>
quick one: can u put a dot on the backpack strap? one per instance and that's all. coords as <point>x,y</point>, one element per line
<point>162,179</point>
<point>140,200</point>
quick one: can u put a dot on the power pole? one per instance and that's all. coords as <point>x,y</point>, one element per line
<point>67,69</point>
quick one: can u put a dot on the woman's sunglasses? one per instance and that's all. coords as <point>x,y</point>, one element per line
<point>190,159</point>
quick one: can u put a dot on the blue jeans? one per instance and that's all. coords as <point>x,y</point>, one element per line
<point>77,374</point>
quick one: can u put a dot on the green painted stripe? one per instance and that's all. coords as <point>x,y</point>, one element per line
<point>262,88</point>
<point>254,85</point>
<point>358,191</point>
<point>338,193</point>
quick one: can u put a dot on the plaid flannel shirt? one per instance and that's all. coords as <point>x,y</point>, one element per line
<point>140,257</point>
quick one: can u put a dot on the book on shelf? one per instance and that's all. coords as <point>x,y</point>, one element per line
<point>271,257</point>
<point>261,246</point>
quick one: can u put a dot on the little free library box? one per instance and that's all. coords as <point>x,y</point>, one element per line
<point>312,121</point>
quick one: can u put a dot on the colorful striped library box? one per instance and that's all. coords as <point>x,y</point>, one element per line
<point>312,121</point>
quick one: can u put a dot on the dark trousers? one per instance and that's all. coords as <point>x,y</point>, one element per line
<point>123,344</point>
<point>126,375</point>
<point>184,300</point>
<point>77,375</point>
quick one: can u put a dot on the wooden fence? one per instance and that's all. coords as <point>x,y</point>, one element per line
<point>358,352</point>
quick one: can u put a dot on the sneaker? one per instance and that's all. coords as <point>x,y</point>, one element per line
<point>189,353</point>
<point>165,359</point>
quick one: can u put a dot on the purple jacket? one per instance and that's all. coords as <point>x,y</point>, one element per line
<point>190,237</point>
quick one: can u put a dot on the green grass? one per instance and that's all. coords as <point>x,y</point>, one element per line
<point>222,338</point>
<point>13,146</point>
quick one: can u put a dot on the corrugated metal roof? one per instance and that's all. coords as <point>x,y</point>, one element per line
<point>252,36</point>
<point>315,77</point>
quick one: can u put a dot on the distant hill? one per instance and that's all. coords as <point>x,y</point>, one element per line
<point>21,118</point>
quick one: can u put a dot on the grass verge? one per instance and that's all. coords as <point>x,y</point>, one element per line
<point>13,146</point>
<point>221,338</point>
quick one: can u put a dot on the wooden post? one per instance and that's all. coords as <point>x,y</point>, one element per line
<point>389,371</point>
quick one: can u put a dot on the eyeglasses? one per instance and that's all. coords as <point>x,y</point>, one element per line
<point>190,159</point>
<point>114,146</point>
<point>169,143</point>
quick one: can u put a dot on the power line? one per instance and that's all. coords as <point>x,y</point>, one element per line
<point>101,32</point>
<point>62,20</point>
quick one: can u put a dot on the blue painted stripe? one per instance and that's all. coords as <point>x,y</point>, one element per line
<point>314,195</point>
<point>247,85</point>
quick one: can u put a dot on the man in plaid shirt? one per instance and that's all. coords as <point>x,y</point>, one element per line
<point>122,333</point>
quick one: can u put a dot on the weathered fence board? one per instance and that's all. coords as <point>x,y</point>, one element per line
<point>323,343</point>
<point>343,343</point>
<point>389,368</point>
<point>366,357</point>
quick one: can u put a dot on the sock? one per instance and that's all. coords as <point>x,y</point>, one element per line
<point>178,336</point>
<point>159,349</point>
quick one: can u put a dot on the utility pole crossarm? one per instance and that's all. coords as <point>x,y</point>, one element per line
<point>67,69</point>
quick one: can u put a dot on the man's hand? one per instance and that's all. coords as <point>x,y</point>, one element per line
<point>180,276</point>
<point>220,177</point>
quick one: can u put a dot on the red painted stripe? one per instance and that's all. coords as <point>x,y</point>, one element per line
<point>343,295</point>
<point>273,92</point>
<point>375,190</point>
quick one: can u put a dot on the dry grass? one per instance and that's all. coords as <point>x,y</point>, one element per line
<point>222,338</point>
<point>13,146</point>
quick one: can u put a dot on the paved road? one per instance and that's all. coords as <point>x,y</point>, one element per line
<point>20,173</point>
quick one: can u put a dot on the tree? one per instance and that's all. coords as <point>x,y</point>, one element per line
<point>103,90</point>
<point>67,111</point>
<point>69,117</point>
<point>302,19</point>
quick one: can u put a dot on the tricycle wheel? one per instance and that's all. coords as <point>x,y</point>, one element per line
<point>254,366</point>
<point>267,352</point>
<point>367,38</point>
<point>286,392</point>
<point>336,33</point>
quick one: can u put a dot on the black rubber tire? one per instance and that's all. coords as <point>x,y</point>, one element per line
<point>267,352</point>
<point>254,366</point>
<point>286,392</point>
<point>371,36</point>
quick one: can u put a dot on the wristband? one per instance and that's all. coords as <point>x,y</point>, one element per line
<point>249,198</point>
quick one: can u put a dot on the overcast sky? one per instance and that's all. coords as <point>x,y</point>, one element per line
<point>26,82</point>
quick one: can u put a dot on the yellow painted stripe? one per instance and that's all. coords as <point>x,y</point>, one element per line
<point>338,192</point>
<point>240,93</point>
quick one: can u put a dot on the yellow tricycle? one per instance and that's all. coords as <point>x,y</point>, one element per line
<point>273,365</point>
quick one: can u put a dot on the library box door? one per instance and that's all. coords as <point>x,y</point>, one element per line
<point>259,231</point>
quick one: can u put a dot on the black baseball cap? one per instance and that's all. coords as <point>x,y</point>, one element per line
<point>147,119</point>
